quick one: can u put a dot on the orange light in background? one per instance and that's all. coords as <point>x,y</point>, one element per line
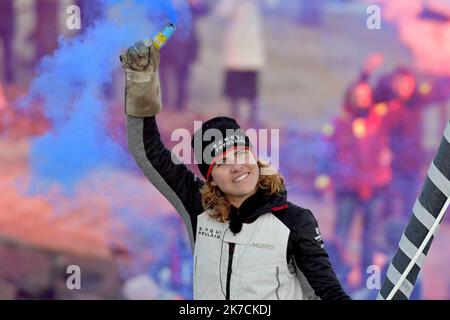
<point>359,128</point>
<point>381,109</point>
<point>322,182</point>
<point>425,88</point>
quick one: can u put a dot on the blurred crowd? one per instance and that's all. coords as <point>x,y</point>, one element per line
<point>375,161</point>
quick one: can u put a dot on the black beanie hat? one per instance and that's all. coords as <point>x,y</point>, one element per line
<point>215,137</point>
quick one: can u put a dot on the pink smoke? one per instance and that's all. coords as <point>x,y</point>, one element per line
<point>429,40</point>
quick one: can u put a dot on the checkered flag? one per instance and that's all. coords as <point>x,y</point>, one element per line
<point>428,212</point>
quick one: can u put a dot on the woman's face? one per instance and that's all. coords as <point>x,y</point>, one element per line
<point>236,174</point>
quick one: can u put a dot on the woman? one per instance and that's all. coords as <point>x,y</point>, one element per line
<point>249,242</point>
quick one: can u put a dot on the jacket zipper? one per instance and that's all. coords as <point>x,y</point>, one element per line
<point>278,281</point>
<point>195,265</point>
<point>229,270</point>
<point>195,274</point>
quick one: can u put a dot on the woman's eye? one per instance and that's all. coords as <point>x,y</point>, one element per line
<point>221,162</point>
<point>241,156</point>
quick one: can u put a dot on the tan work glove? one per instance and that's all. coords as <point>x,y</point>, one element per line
<point>142,88</point>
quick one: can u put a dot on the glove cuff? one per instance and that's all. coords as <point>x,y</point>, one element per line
<point>142,94</point>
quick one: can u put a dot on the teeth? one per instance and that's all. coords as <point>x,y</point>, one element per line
<point>241,177</point>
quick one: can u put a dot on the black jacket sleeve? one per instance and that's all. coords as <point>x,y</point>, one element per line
<point>312,259</point>
<point>172,178</point>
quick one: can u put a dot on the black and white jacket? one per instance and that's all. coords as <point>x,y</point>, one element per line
<point>278,254</point>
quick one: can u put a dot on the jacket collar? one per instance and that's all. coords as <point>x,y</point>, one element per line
<point>254,206</point>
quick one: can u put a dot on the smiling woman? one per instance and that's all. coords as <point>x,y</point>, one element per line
<point>249,241</point>
<point>215,198</point>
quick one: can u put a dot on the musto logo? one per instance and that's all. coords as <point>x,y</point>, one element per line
<point>261,246</point>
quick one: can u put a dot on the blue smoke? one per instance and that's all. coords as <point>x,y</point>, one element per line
<point>70,84</point>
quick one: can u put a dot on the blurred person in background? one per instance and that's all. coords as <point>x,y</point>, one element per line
<point>398,92</point>
<point>47,26</point>
<point>7,32</point>
<point>359,168</point>
<point>244,54</point>
<point>180,53</point>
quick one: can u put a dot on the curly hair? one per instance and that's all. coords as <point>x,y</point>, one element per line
<point>218,205</point>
